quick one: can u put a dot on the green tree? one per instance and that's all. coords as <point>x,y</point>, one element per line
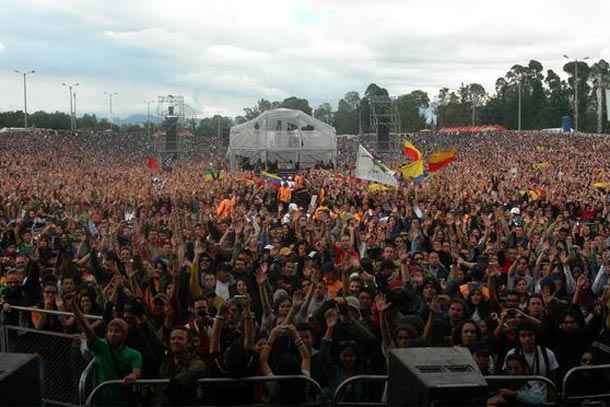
<point>296,103</point>
<point>260,107</point>
<point>580,90</point>
<point>325,113</point>
<point>557,100</point>
<point>87,121</point>
<point>600,80</point>
<point>347,120</point>
<point>411,110</point>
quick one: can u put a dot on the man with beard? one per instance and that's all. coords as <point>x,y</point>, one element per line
<point>113,360</point>
<point>20,291</point>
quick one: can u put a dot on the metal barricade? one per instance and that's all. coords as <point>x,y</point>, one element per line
<point>573,373</point>
<point>373,394</point>
<point>553,394</point>
<point>86,383</point>
<point>61,360</point>
<point>208,381</point>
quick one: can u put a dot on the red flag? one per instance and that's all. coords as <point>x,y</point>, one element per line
<point>152,163</point>
<point>441,159</point>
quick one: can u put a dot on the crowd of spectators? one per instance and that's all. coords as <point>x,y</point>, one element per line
<point>506,252</point>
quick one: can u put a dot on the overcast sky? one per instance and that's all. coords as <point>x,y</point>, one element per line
<point>225,55</point>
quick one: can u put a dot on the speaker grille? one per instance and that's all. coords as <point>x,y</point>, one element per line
<point>459,368</point>
<point>429,368</point>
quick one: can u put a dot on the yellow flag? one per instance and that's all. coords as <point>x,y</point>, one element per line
<point>542,165</point>
<point>410,150</point>
<point>412,170</point>
<point>378,188</point>
<point>601,185</point>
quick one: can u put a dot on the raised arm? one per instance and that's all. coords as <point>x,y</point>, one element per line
<point>382,308</point>
<point>219,320</point>
<point>303,352</point>
<point>266,350</point>
<point>261,278</point>
<point>81,320</point>
<point>248,324</point>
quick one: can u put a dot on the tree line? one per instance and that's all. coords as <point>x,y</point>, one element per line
<point>543,95</point>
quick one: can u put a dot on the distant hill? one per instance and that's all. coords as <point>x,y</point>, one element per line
<point>137,119</point>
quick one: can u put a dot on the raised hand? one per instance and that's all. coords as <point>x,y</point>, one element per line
<point>564,258</point>
<point>298,298</point>
<point>381,303</point>
<point>331,318</point>
<point>261,273</point>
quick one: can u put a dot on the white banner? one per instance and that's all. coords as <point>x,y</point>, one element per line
<point>370,169</point>
<point>608,104</point>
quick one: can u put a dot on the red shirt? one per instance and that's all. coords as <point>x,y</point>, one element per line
<point>342,254</point>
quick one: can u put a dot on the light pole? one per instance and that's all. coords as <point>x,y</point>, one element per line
<point>519,82</point>
<point>519,118</point>
<point>74,94</point>
<point>25,96</point>
<point>575,89</point>
<point>110,95</point>
<point>148,102</point>
<point>359,118</point>
<point>70,86</point>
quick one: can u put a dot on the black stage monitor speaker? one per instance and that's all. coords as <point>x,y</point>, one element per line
<point>19,380</point>
<point>435,377</point>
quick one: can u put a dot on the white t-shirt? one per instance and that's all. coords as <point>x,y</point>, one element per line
<point>543,369</point>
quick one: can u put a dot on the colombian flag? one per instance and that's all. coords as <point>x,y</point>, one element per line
<point>536,194</point>
<point>411,151</point>
<point>436,161</point>
<point>272,179</point>
<point>413,170</point>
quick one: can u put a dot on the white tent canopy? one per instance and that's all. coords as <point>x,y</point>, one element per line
<point>287,138</point>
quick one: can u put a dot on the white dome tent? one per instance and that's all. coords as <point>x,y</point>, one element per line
<point>285,138</point>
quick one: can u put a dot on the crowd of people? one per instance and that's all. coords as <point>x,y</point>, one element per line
<point>506,252</point>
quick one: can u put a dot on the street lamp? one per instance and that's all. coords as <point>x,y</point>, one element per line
<point>575,89</point>
<point>148,102</point>
<point>110,95</point>
<point>25,96</point>
<point>72,120</point>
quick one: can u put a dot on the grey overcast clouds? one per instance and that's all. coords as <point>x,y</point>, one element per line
<point>225,55</point>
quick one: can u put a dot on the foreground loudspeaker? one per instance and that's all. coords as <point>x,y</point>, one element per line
<point>19,380</point>
<point>435,377</point>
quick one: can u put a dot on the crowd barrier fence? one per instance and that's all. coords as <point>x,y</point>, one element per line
<point>588,373</point>
<point>62,362</point>
<point>374,393</point>
<point>67,374</point>
<point>318,400</point>
<point>553,396</point>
